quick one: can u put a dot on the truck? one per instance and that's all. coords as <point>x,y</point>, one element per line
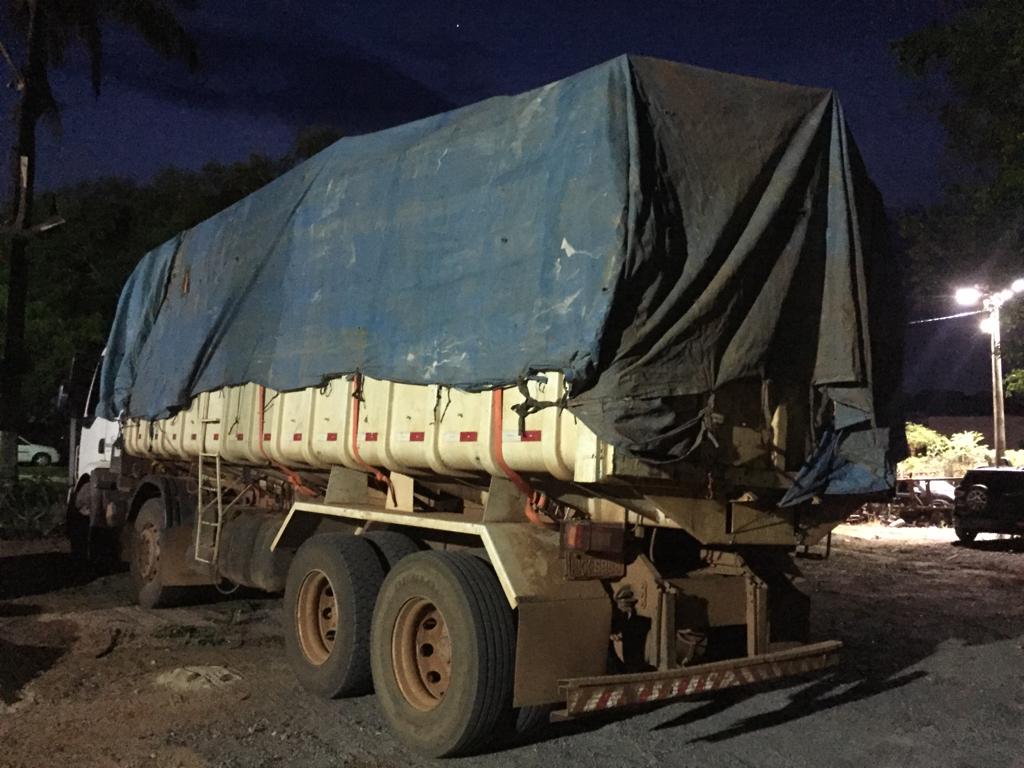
<point>525,408</point>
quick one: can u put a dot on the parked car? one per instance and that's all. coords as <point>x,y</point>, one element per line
<point>989,500</point>
<point>925,501</point>
<point>33,453</point>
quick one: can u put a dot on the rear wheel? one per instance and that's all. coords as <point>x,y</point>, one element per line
<point>329,597</point>
<point>443,653</point>
<point>392,546</point>
<point>525,723</point>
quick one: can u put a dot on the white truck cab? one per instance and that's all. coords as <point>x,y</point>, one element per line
<point>93,447</point>
<point>96,447</point>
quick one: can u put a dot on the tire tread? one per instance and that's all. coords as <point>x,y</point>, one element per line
<point>363,574</point>
<point>468,729</point>
<point>392,546</point>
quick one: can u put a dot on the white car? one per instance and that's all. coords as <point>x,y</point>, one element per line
<point>32,453</point>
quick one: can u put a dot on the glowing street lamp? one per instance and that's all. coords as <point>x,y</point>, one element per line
<point>968,297</point>
<point>992,301</point>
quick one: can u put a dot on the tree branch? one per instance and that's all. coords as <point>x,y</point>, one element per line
<point>19,81</point>
<point>15,232</point>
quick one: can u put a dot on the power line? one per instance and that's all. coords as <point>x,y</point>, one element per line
<point>948,317</point>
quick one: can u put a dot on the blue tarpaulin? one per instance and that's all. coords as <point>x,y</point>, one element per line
<point>653,230</point>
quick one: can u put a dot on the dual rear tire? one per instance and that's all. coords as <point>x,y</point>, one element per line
<point>442,652</point>
<point>430,631</point>
<point>329,597</point>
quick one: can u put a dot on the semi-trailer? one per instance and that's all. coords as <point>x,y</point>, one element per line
<point>526,407</point>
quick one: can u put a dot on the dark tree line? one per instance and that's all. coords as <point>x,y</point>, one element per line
<point>37,37</point>
<point>59,290</point>
<point>77,271</point>
<point>971,65</point>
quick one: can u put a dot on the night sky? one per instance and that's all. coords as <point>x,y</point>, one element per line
<point>269,68</point>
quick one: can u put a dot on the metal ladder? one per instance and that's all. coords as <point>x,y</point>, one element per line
<point>210,511</point>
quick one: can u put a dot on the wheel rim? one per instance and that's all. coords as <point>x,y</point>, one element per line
<point>977,499</point>
<point>316,617</point>
<point>147,553</point>
<point>421,652</point>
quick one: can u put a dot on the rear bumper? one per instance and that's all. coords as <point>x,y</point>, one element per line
<point>587,695</point>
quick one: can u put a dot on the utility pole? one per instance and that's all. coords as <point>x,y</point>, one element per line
<point>991,301</point>
<point>26,82</point>
<point>998,411</point>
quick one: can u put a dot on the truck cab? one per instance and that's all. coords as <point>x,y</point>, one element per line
<point>93,447</point>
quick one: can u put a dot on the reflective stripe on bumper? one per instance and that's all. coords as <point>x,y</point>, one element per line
<point>586,695</point>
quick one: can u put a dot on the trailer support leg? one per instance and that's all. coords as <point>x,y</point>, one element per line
<point>757,616</point>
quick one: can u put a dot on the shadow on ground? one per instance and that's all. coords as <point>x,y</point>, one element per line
<point>12,610</point>
<point>913,590</point>
<point>34,574</point>
<point>20,664</point>
<point>1015,545</point>
<point>827,692</point>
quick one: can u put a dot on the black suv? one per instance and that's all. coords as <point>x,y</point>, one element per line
<point>989,500</point>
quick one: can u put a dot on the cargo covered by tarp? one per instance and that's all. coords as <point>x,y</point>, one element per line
<point>653,230</point>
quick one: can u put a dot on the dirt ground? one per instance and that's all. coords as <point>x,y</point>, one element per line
<point>932,675</point>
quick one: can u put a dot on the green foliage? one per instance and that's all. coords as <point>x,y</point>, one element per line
<point>961,242</point>
<point>978,56</point>
<point>1011,323</point>
<point>966,448</point>
<point>314,138</point>
<point>64,24</point>
<point>971,63</point>
<point>1014,383</point>
<point>78,269</point>
<point>40,36</point>
<point>31,508</point>
<point>922,466</point>
<point>924,441</point>
<point>933,454</point>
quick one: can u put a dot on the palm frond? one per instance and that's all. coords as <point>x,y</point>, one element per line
<point>158,25</point>
<point>92,37</point>
<point>66,23</point>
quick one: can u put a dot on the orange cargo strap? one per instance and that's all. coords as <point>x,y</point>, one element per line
<point>535,500</point>
<point>296,481</point>
<point>357,397</point>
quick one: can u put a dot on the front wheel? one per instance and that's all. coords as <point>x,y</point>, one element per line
<point>77,522</point>
<point>976,499</point>
<point>42,460</point>
<point>965,536</point>
<point>147,550</point>
<point>443,653</point>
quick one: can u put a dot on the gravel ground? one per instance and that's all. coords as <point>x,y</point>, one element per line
<point>933,674</point>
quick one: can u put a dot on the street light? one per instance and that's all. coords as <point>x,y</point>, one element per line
<point>968,297</point>
<point>992,301</point>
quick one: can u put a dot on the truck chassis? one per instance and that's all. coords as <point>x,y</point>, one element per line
<point>472,622</point>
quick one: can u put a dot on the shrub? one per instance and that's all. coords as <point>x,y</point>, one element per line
<point>31,508</point>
